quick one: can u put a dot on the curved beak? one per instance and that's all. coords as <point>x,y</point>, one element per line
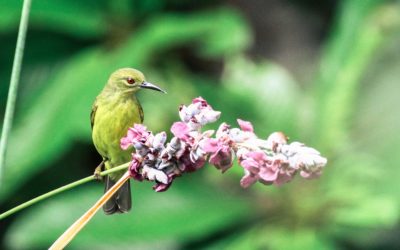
<point>147,85</point>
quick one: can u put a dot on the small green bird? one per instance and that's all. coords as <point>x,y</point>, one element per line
<point>116,109</point>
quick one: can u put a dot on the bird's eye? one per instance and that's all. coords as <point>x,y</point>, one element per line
<point>130,80</point>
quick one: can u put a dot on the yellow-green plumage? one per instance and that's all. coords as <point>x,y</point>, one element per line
<point>116,109</point>
<point>115,113</point>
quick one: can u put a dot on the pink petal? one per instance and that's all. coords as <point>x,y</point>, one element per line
<point>311,175</point>
<point>180,130</point>
<point>125,143</point>
<point>222,129</point>
<point>222,159</point>
<point>183,114</point>
<point>258,156</point>
<point>186,165</point>
<point>201,100</point>
<point>140,128</point>
<point>134,168</point>
<point>277,137</point>
<point>247,180</point>
<point>245,125</point>
<point>268,174</point>
<point>211,115</point>
<point>209,145</point>
<point>138,134</point>
<point>282,179</point>
<point>250,165</point>
<point>161,187</point>
<point>131,133</point>
<point>159,140</point>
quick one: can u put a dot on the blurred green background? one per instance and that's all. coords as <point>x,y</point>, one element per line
<point>324,72</point>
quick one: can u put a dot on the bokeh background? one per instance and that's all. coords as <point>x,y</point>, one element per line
<point>324,72</point>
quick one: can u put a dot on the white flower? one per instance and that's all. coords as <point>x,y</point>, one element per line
<point>304,158</point>
<point>159,140</point>
<point>154,174</point>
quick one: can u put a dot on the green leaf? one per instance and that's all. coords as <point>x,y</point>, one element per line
<point>82,19</point>
<point>272,93</point>
<point>370,212</point>
<point>190,209</point>
<point>230,37</point>
<point>275,237</point>
<point>358,35</point>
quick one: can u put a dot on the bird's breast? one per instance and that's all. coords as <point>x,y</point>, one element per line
<point>111,123</point>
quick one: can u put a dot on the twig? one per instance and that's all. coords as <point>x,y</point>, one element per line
<point>59,190</point>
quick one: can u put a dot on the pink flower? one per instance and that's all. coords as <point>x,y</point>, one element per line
<point>245,133</point>
<point>253,161</point>
<point>221,153</point>
<point>198,114</point>
<point>222,158</point>
<point>181,130</point>
<point>283,178</point>
<point>126,142</point>
<point>268,170</point>
<point>185,163</point>
<point>223,130</point>
<point>310,175</point>
<point>275,139</point>
<point>245,125</point>
<point>134,168</point>
<point>161,187</point>
<point>136,135</point>
<point>209,145</point>
<point>186,113</point>
<point>208,115</point>
<point>154,174</point>
<point>270,161</point>
<point>268,174</point>
<point>201,101</point>
<point>248,179</point>
<point>159,140</point>
<point>303,158</point>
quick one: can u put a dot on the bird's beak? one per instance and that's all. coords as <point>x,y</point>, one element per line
<point>147,85</point>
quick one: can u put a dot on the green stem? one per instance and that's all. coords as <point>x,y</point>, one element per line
<point>15,74</point>
<point>60,189</point>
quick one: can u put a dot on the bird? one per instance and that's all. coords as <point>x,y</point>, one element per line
<point>114,110</point>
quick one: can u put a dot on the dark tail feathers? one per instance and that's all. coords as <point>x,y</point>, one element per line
<point>121,201</point>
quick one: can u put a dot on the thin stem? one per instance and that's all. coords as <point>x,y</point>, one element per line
<point>12,92</point>
<point>61,189</point>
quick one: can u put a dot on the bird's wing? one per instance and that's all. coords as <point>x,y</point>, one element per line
<point>93,113</point>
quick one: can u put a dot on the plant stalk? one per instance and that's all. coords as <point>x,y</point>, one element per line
<point>12,92</point>
<point>60,190</point>
<point>74,229</point>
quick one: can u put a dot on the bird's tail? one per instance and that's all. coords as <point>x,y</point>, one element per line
<point>121,201</point>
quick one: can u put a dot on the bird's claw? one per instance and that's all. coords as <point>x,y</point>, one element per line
<point>97,172</point>
<point>97,175</point>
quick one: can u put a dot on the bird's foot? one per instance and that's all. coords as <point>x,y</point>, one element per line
<point>97,172</point>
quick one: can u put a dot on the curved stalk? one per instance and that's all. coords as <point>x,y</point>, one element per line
<point>60,190</point>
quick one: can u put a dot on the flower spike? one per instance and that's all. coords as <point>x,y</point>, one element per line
<point>270,161</point>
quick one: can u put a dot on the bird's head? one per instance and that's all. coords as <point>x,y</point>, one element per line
<point>129,80</point>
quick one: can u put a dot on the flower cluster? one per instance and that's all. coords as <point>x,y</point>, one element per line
<point>270,161</point>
